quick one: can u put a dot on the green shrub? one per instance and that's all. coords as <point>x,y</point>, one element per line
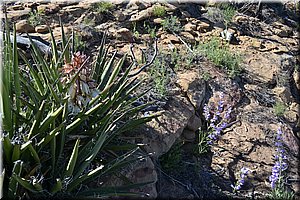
<point>160,77</point>
<point>221,56</point>
<point>159,11</point>
<point>171,24</point>
<point>170,160</point>
<point>60,119</point>
<point>36,18</point>
<point>279,108</point>
<point>228,12</point>
<point>103,7</point>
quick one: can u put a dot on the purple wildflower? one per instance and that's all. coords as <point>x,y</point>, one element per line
<point>241,180</point>
<point>280,163</point>
<point>217,117</point>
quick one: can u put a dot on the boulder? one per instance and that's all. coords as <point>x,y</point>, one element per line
<point>24,26</point>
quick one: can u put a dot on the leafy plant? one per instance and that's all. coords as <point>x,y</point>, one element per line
<point>60,117</point>
<point>279,108</point>
<point>221,56</point>
<point>160,76</point>
<point>206,76</point>
<point>170,160</point>
<point>103,7</point>
<point>171,24</point>
<point>159,11</point>
<point>228,12</point>
<point>202,142</point>
<point>36,18</point>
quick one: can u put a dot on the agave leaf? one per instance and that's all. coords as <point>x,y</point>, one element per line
<point>24,183</point>
<point>107,72</point>
<point>57,186</point>
<point>73,159</point>
<point>7,148</point>
<point>50,119</point>
<point>100,60</point>
<point>64,43</point>
<point>36,77</point>
<point>34,154</point>
<point>45,140</point>
<point>54,49</point>
<point>116,71</point>
<point>16,75</point>
<point>7,112</point>
<point>16,152</point>
<point>13,184</point>
<point>53,153</point>
<point>37,120</point>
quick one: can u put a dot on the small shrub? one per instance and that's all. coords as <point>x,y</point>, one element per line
<point>279,108</point>
<point>36,18</point>
<point>170,160</point>
<point>159,11</point>
<point>221,56</point>
<point>171,24</point>
<point>206,76</point>
<point>160,76</point>
<point>228,12</point>
<point>202,143</point>
<point>103,7</point>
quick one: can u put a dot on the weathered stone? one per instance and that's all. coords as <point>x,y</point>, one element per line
<point>190,38</point>
<point>41,29</point>
<point>144,14</point>
<point>17,14</point>
<point>194,123</point>
<point>284,93</point>
<point>50,8</point>
<point>125,34</point>
<point>120,16</point>
<point>203,26</point>
<point>159,135</point>
<point>158,20</point>
<point>75,10</point>
<point>191,83</point>
<point>189,135</point>
<point>190,27</point>
<point>24,26</point>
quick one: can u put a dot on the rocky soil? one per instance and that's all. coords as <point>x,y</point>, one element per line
<point>267,39</point>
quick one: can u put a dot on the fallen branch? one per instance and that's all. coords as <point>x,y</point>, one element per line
<point>147,64</point>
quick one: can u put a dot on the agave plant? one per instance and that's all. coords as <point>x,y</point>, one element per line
<point>60,117</point>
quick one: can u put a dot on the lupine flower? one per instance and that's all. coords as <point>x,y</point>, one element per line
<point>241,180</point>
<point>218,118</point>
<point>280,163</point>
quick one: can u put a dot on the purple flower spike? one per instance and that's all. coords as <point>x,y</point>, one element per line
<point>241,180</point>
<point>280,164</point>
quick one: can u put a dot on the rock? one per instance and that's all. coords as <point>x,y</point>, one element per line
<point>74,10</point>
<point>159,135</point>
<point>41,29</point>
<point>203,26</point>
<point>191,83</point>
<point>120,16</point>
<point>50,8</point>
<point>144,14</point>
<point>284,93</point>
<point>17,14</point>
<point>189,135</point>
<point>282,30</point>
<point>125,34</point>
<point>240,18</point>
<point>144,171</point>
<point>190,27</point>
<point>188,36</point>
<point>194,123</point>
<point>158,20</point>
<point>24,26</point>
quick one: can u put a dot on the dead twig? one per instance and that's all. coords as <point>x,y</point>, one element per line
<point>189,48</point>
<point>147,64</point>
